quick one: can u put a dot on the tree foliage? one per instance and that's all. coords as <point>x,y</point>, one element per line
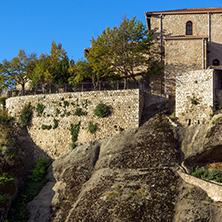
<point>51,68</point>
<point>17,70</point>
<point>124,50</point>
<point>79,71</point>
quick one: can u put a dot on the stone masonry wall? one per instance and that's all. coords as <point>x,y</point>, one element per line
<point>175,25</point>
<point>194,96</point>
<point>126,106</point>
<point>179,59</point>
<point>213,189</point>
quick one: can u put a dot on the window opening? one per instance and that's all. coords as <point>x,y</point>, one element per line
<point>189,28</point>
<point>216,62</point>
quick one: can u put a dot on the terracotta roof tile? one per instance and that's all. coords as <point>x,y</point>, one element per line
<point>215,9</point>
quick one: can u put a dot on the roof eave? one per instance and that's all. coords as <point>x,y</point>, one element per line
<point>185,37</point>
<point>178,12</point>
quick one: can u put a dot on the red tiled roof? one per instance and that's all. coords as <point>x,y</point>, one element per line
<point>188,10</point>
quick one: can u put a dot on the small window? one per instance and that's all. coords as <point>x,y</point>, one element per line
<point>189,28</point>
<point>216,62</point>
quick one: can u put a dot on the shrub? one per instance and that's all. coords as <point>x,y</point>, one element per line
<point>4,200</point>
<point>6,179</point>
<point>4,117</point>
<point>92,127</point>
<point>26,114</point>
<point>31,188</point>
<point>208,174</point>
<point>80,112</point>
<point>102,110</point>
<point>66,103</point>
<point>74,129</point>
<point>48,127</point>
<point>56,123</point>
<point>57,111</point>
<point>40,108</point>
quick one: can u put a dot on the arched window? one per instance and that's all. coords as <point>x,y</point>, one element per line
<point>216,62</point>
<point>189,28</point>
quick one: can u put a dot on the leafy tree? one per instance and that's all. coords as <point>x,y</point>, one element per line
<point>17,70</point>
<point>51,68</point>
<point>99,57</point>
<point>41,74</point>
<point>59,64</point>
<point>123,51</point>
<point>79,71</point>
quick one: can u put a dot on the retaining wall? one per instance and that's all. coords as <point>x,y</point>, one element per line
<point>126,112</point>
<point>194,96</point>
<point>213,189</point>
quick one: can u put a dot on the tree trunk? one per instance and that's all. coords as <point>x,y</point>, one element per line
<point>23,89</point>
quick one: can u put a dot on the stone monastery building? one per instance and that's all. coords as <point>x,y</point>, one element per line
<point>189,42</point>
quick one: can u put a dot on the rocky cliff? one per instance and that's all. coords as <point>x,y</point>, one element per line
<point>132,177</point>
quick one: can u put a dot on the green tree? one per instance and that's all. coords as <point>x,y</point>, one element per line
<point>100,57</point>
<point>59,64</point>
<point>79,71</point>
<point>125,50</point>
<point>17,70</point>
<point>41,74</point>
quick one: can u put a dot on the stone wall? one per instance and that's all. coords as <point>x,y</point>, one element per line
<point>194,96</point>
<point>178,59</point>
<point>183,53</point>
<point>213,189</point>
<point>175,25</point>
<point>126,111</point>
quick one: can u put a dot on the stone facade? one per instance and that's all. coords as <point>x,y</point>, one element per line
<point>187,57</point>
<point>126,108</point>
<point>178,59</point>
<point>194,96</point>
<point>206,24</point>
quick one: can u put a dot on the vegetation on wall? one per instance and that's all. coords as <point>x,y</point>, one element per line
<point>74,129</point>
<point>26,114</point>
<point>80,112</point>
<point>56,123</point>
<point>39,109</point>
<point>92,127</point>
<point>102,110</point>
<point>216,109</point>
<point>48,127</point>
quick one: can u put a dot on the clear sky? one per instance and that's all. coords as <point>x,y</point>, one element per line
<point>32,25</point>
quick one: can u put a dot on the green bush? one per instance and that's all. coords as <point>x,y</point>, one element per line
<point>40,108</point>
<point>48,127</point>
<point>26,114</point>
<point>4,200</point>
<point>6,179</point>
<point>203,173</point>
<point>80,112</point>
<point>56,123</point>
<point>66,103</point>
<point>4,117</point>
<point>57,111</point>
<point>102,110</point>
<point>92,127</point>
<point>74,129</point>
<point>31,188</point>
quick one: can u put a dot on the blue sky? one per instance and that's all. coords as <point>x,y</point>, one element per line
<point>32,25</point>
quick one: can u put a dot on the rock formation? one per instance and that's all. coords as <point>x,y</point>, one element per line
<point>130,177</point>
